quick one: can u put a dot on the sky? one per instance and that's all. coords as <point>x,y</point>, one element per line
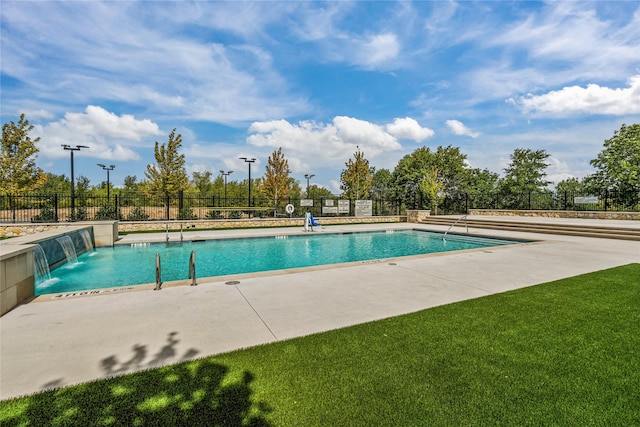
<point>320,80</point>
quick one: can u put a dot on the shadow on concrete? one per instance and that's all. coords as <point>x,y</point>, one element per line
<point>198,392</point>
<point>167,354</point>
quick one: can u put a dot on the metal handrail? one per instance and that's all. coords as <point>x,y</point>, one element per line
<point>453,225</point>
<point>158,273</point>
<point>192,268</point>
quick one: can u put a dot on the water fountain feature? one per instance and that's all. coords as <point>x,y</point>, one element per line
<point>86,237</point>
<point>40,265</point>
<point>68,248</point>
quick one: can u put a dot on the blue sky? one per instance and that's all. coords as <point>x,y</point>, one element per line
<point>319,79</point>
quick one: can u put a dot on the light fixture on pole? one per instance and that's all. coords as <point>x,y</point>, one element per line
<point>73,195</point>
<point>249,160</point>
<point>108,169</point>
<point>308,176</point>
<point>225,174</point>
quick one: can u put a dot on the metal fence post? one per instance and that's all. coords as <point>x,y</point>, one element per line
<point>55,206</point>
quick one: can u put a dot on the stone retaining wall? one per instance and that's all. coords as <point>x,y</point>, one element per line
<point>558,214</point>
<point>132,226</point>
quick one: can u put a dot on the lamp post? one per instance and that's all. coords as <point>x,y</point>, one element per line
<point>108,169</point>
<point>308,176</point>
<point>247,160</point>
<point>73,195</point>
<point>225,174</point>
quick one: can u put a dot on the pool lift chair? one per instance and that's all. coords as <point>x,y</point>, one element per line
<point>310,222</point>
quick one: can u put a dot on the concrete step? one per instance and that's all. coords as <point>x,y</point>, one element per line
<point>586,230</point>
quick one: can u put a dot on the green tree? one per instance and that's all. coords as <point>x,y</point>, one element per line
<point>481,187</point>
<point>618,164</point>
<point>202,182</point>
<point>570,186</point>
<point>55,184</point>
<point>523,176</point>
<point>413,169</point>
<point>431,186</point>
<point>382,183</point>
<point>275,182</point>
<point>131,183</point>
<point>18,170</point>
<point>168,176</point>
<point>356,179</point>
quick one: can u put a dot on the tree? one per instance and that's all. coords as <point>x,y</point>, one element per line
<point>571,186</point>
<point>202,182</point>
<point>168,177</point>
<point>618,164</point>
<point>431,186</point>
<point>524,175</point>
<point>275,182</point>
<point>18,170</point>
<point>131,183</point>
<point>413,169</point>
<point>55,184</point>
<point>481,187</point>
<point>356,179</point>
<point>382,183</point>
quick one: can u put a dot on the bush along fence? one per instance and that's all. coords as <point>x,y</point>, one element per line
<point>141,207</point>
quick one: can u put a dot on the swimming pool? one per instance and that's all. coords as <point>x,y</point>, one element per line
<point>119,266</point>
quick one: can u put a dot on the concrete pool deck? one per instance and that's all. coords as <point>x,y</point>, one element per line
<point>53,343</point>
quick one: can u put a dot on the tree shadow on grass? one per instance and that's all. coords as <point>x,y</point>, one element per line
<point>195,393</point>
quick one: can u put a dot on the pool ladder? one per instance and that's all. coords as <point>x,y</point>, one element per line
<point>166,232</point>
<point>453,225</point>
<point>192,271</point>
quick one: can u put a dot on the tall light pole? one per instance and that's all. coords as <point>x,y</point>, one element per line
<point>108,169</point>
<point>308,176</point>
<point>225,174</point>
<point>73,195</point>
<point>247,160</point>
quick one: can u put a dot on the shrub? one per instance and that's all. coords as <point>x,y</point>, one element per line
<point>137,214</point>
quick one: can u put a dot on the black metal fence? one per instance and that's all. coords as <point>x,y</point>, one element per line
<point>140,207</point>
<point>601,201</point>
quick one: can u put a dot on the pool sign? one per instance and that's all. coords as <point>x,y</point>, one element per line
<point>343,206</point>
<point>585,200</point>
<point>364,208</point>
<point>306,202</point>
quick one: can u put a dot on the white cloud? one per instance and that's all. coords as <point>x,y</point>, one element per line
<point>377,49</point>
<point>108,136</point>
<point>319,144</point>
<point>594,99</point>
<point>409,128</point>
<point>458,128</point>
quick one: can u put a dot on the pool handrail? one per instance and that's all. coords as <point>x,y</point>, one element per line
<point>452,225</point>
<point>158,273</point>
<point>192,268</point>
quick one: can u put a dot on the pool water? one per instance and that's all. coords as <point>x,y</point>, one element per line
<point>131,265</point>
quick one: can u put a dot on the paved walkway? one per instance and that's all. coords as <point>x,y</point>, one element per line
<point>51,343</point>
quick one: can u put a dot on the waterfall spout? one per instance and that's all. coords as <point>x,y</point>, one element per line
<point>86,237</point>
<point>68,248</point>
<point>41,265</point>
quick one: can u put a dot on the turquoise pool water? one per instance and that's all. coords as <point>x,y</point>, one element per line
<point>131,265</point>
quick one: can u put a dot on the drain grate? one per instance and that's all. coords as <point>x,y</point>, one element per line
<point>232,282</point>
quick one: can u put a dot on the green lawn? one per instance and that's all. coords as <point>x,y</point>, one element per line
<point>561,353</point>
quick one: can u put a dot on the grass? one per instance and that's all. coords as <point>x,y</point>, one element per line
<point>561,353</point>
